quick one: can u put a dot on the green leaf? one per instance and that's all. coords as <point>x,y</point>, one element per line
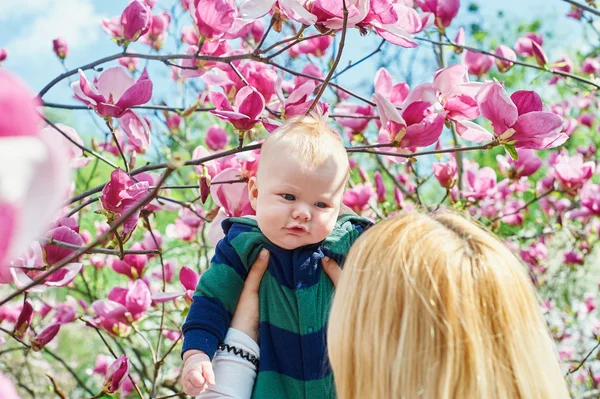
<point>512,151</point>
<point>185,311</point>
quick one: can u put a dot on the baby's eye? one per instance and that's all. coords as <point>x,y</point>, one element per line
<point>321,205</point>
<point>288,197</point>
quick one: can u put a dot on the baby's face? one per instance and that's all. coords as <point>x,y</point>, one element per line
<point>295,207</point>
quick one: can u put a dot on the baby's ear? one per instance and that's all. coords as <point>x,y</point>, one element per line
<point>253,191</point>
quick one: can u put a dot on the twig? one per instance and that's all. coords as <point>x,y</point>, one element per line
<point>170,168</point>
<point>571,371</point>
<point>81,147</point>
<point>335,63</point>
<point>533,200</point>
<point>102,251</point>
<point>584,7</point>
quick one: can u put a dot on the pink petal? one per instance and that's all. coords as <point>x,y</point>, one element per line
<point>472,131</point>
<point>497,107</point>
<point>539,131</point>
<point>220,101</point>
<point>526,101</point>
<point>250,102</point>
<point>112,83</point>
<point>139,93</point>
<point>383,82</point>
<point>446,79</point>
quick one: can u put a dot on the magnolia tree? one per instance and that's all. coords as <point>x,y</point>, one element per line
<point>104,237</point>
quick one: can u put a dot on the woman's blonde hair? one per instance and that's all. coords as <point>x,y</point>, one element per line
<point>432,306</point>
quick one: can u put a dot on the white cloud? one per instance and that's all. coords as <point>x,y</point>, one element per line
<point>75,20</point>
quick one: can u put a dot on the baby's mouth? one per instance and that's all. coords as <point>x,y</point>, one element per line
<point>297,230</point>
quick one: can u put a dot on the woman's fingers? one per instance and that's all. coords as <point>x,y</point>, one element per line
<point>332,269</point>
<point>256,271</point>
<point>246,317</point>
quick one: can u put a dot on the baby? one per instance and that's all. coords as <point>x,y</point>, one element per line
<point>297,194</point>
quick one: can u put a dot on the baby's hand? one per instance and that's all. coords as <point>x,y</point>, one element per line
<point>197,372</point>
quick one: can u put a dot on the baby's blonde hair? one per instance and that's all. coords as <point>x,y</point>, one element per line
<point>309,140</point>
<point>434,307</point>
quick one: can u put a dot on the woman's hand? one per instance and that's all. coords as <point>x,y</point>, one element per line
<point>246,316</point>
<point>332,269</point>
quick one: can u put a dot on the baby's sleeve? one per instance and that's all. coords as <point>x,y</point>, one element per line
<point>347,230</point>
<point>215,299</point>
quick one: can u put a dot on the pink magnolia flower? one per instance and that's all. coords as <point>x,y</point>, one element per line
<point>479,183</point>
<point>572,172</point>
<point>573,258</point>
<point>189,279</point>
<point>563,65</point>
<point>528,164</point>
<point>586,119</point>
<point>34,174</point>
<point>59,45</point>
<point>132,266</point>
<point>478,64</point>
<point>445,173</point>
<point>213,18</point>
<point>245,113</point>
<point>444,10</point>
<point>135,20</point>
<point>379,187</point>
<point>539,54</point>
<point>395,22</point>
<point>591,66</point>
<point>519,118</point>
<point>358,198</point>
<point>102,362</point>
<point>421,122</point>
<point>504,52</point>
<point>122,193</point>
<point>157,34</point>
<point>116,373</point>
<point>114,93</point>
<point>329,13</point>
<point>7,389</point>
<point>316,46</point>
<point>216,138</point>
<point>575,13</point>
<point>130,63</point>
<point>513,211</point>
<point>45,336</point>
<point>173,122</point>
<point>357,124</point>
<point>590,198</point>
<point>24,320</point>
<point>299,101</point>
<point>456,93</point>
<point>169,272</point>
<point>384,85</point>
<point>590,301</point>
<point>3,54</point>
<point>524,45</point>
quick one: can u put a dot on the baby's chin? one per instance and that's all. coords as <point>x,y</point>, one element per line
<point>290,243</point>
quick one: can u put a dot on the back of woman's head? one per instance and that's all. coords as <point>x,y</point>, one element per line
<point>435,307</point>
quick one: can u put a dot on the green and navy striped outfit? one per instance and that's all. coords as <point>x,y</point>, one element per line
<point>295,298</point>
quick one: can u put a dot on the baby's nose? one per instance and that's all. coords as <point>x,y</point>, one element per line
<point>302,213</point>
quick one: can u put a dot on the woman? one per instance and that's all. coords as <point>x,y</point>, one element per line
<point>428,306</point>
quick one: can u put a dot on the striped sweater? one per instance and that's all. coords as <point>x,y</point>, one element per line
<point>294,302</point>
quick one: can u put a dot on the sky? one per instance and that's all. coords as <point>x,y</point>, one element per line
<point>27,33</point>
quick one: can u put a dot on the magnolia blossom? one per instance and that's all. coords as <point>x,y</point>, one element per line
<point>519,119</point>
<point>7,389</point>
<point>122,193</point>
<point>24,320</point>
<point>3,54</point>
<point>244,114</point>
<point>527,164</point>
<point>479,64</point>
<point>59,45</point>
<point>524,45</point>
<point>419,124</point>
<point>77,158</point>
<point>316,46</point>
<point>446,172</point>
<point>590,198</point>
<point>358,197</point>
<point>504,52</point>
<point>356,124</point>
<point>157,34</point>
<point>44,337</point>
<point>116,373</point>
<point>444,10</point>
<point>572,172</point>
<point>132,266</point>
<point>216,138</point>
<point>479,183</point>
<point>122,307</point>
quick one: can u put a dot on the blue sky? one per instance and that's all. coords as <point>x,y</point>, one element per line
<point>27,33</point>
